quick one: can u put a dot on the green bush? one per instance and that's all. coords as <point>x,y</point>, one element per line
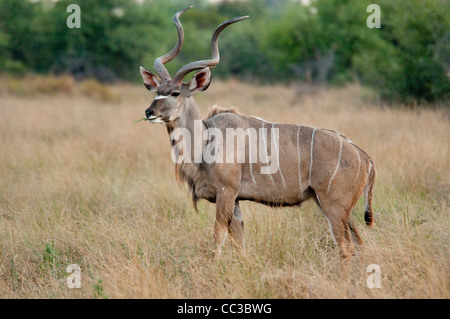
<point>327,42</point>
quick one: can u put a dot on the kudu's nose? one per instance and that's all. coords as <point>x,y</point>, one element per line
<point>148,113</point>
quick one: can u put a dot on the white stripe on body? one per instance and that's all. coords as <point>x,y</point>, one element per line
<point>249,155</point>
<point>277,154</point>
<point>359,159</point>
<point>299,158</point>
<point>312,147</point>
<point>338,163</point>
<point>265,152</point>
<point>258,118</point>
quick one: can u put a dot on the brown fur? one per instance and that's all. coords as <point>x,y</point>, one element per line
<point>312,162</point>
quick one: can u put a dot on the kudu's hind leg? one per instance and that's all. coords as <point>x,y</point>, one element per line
<point>355,234</point>
<point>348,239</point>
<point>338,220</point>
<point>236,228</point>
<point>339,227</point>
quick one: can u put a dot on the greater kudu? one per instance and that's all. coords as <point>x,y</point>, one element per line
<point>313,163</point>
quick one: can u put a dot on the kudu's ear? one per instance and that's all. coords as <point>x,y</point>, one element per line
<point>151,81</point>
<point>200,81</point>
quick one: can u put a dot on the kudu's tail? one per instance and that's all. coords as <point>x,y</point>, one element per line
<point>368,195</point>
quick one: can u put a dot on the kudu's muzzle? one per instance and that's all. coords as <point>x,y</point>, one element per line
<point>148,112</point>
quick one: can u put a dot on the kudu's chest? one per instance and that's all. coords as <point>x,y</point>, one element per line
<point>201,185</point>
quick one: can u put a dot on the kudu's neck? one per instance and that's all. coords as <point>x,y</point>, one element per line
<point>191,120</point>
<point>189,115</point>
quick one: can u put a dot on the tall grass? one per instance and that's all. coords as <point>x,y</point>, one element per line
<point>79,184</point>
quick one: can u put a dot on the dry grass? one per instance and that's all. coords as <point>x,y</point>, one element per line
<point>80,184</point>
<point>38,86</point>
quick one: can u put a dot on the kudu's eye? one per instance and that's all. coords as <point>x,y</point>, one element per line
<point>175,94</point>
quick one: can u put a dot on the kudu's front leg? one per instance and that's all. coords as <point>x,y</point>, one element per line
<point>224,214</point>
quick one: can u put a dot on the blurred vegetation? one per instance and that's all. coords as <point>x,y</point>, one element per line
<point>326,42</point>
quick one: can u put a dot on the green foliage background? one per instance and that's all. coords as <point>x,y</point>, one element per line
<point>407,60</point>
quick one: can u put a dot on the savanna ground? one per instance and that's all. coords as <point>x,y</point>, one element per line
<point>80,184</point>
